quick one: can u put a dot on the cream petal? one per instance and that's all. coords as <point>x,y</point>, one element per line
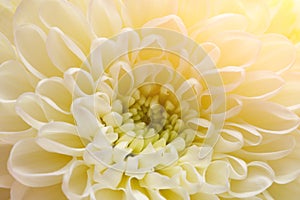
<point>289,95</point>
<point>198,8</point>
<point>285,191</point>
<point>204,196</point>
<point>7,51</point>
<point>86,121</point>
<point>109,178</point>
<point>54,92</point>
<point>76,182</point>
<point>8,116</point>
<point>174,193</point>
<point>33,166</point>
<point>259,178</point>
<point>250,135</point>
<point>288,168</point>
<point>136,13</point>
<point>62,138</point>
<point>203,30</point>
<point>6,179</point>
<point>12,137</point>
<point>28,13</point>
<point>251,86</point>
<point>171,22</point>
<point>190,179</point>
<point>109,193</point>
<point>277,54</point>
<point>157,181</point>
<point>273,148</point>
<point>6,21</point>
<point>269,117</point>
<point>14,80</point>
<point>63,52</point>
<point>69,19</point>
<point>31,46</point>
<point>79,82</point>
<point>229,141</point>
<point>238,48</point>
<point>22,192</point>
<point>104,18</point>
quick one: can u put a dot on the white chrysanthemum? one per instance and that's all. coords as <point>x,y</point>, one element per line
<point>130,100</point>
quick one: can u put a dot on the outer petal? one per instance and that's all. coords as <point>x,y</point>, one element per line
<point>286,191</point>
<point>33,166</point>
<point>6,179</point>
<point>6,49</point>
<point>22,192</point>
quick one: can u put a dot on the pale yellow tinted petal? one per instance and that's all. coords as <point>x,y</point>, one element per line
<point>5,193</point>
<point>33,166</point>
<point>31,45</point>
<point>6,49</point>
<point>269,117</point>
<point>6,19</point>
<point>69,19</point>
<point>104,18</point>
<point>5,178</point>
<point>14,80</point>
<point>76,181</point>
<point>138,12</point>
<point>22,192</point>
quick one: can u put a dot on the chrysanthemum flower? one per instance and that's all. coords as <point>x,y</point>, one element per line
<point>137,100</point>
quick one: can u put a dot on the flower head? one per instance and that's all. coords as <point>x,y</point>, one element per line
<point>130,100</point>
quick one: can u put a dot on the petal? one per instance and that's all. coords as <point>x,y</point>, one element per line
<point>104,18</point>
<point>225,22</point>
<point>229,141</point>
<point>69,19</point>
<point>259,178</point>
<point>22,192</point>
<point>251,88</point>
<point>198,8</point>
<point>108,193</point>
<point>285,191</point>
<point>269,117</point>
<point>35,167</point>
<point>237,48</point>
<point>138,12</point>
<point>76,181</point>
<point>54,92</point>
<point>62,138</point>
<point>31,45</point>
<point>277,54</point>
<point>62,51</point>
<point>7,51</point>
<point>8,116</point>
<point>5,193</point>
<point>6,179</point>
<point>272,148</point>
<point>287,169</point>
<point>6,22</point>
<point>14,80</point>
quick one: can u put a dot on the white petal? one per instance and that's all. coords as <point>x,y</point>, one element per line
<point>6,179</point>
<point>33,166</point>
<point>6,50</point>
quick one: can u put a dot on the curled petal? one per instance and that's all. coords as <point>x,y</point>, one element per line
<point>285,191</point>
<point>269,117</point>
<point>35,167</point>
<point>229,141</point>
<point>31,40</point>
<point>259,178</point>
<point>108,193</point>
<point>76,181</point>
<point>61,138</point>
